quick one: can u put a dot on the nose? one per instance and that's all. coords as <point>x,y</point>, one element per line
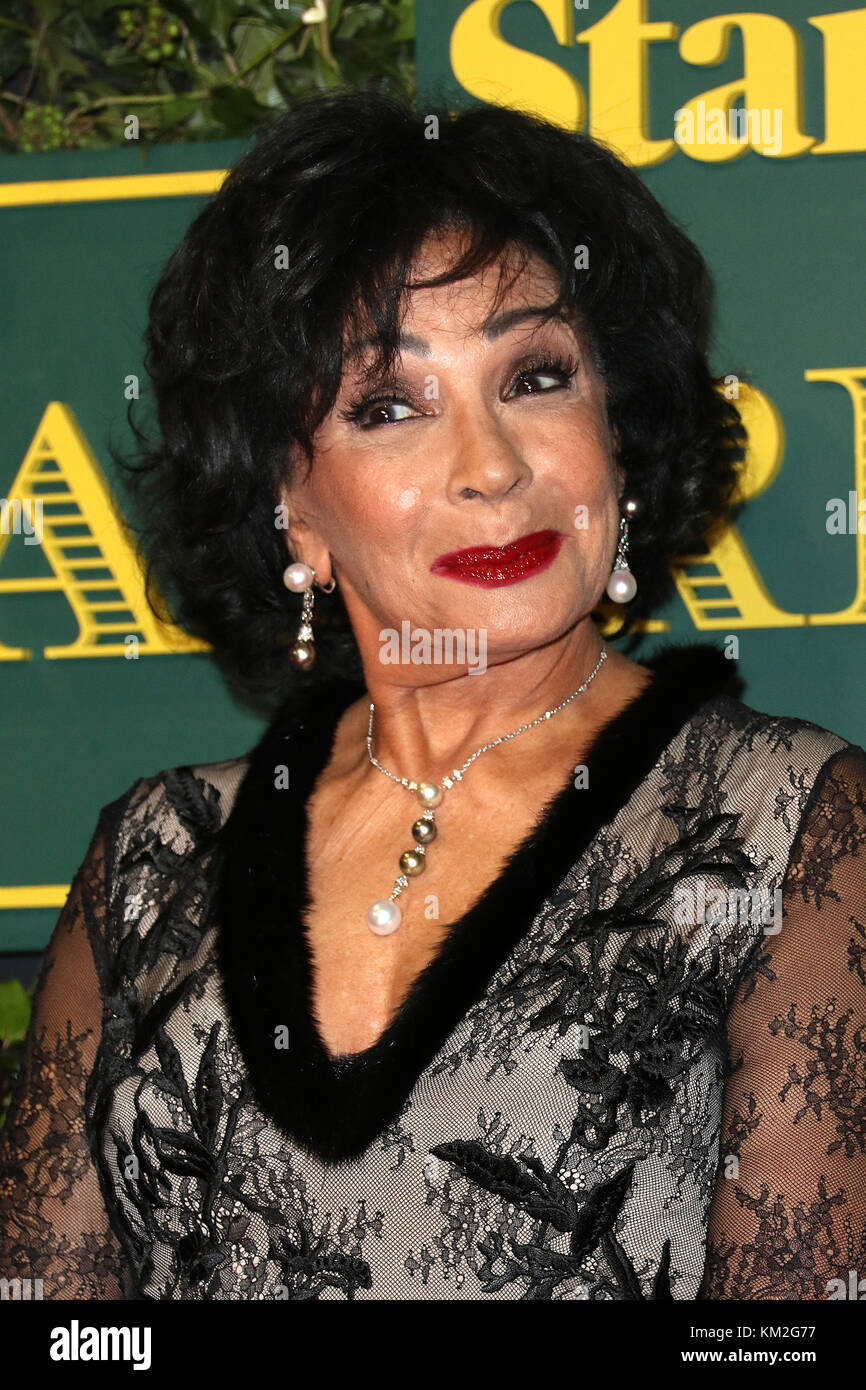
<point>486,460</point>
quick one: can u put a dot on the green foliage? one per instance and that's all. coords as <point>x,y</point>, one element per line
<point>15,1005</point>
<point>73,71</point>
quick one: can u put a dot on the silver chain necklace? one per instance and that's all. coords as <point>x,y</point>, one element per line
<point>384,916</point>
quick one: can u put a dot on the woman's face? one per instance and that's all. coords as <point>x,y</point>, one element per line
<point>492,428</point>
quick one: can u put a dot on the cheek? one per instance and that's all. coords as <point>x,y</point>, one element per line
<point>584,486</point>
<point>403,502</point>
<point>366,511</point>
<point>385,510</point>
<point>587,503</point>
<point>571,445</point>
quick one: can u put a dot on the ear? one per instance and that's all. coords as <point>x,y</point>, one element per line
<point>302,541</point>
<point>288,520</point>
<point>285,519</point>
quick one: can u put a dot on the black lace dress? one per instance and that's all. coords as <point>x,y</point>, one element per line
<point>634,1070</point>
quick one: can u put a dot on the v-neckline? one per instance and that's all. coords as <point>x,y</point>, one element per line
<point>336,1106</point>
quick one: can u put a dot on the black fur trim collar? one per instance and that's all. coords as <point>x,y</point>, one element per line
<point>337,1107</point>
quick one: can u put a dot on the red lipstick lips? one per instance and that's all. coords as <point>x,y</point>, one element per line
<point>490,566</point>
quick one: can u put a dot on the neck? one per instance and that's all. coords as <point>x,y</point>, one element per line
<point>425,730</point>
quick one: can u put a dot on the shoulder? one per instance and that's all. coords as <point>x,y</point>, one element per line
<point>770,741</point>
<point>769,767</point>
<point>177,810</point>
<point>158,838</point>
<point>715,746</point>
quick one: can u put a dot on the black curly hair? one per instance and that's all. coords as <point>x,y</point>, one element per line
<point>246,358</point>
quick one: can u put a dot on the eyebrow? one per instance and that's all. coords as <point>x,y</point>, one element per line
<point>491,329</point>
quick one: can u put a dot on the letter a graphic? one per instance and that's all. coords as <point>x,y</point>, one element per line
<point>84,543</point>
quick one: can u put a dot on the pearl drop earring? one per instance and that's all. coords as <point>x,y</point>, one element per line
<point>299,579</point>
<point>622,585</point>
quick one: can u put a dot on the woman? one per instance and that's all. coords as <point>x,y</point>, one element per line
<point>589,1028</point>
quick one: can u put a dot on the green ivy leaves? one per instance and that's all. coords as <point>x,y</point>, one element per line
<point>72,71</point>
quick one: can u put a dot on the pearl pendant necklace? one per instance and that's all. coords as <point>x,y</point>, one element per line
<point>384,916</point>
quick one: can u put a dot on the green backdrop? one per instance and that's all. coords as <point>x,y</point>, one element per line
<point>783,236</point>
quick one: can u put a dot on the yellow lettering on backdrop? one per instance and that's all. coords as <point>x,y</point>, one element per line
<point>771,88</point>
<point>619,81</point>
<point>94,564</point>
<point>721,587</point>
<point>844,81</point>
<point>854,381</point>
<point>495,71</point>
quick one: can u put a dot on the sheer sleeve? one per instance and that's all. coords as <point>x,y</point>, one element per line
<point>788,1219</point>
<point>53,1221</point>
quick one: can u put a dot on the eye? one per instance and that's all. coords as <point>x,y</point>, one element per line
<point>373,411</point>
<point>534,377</point>
<point>384,412</point>
<point>539,377</point>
